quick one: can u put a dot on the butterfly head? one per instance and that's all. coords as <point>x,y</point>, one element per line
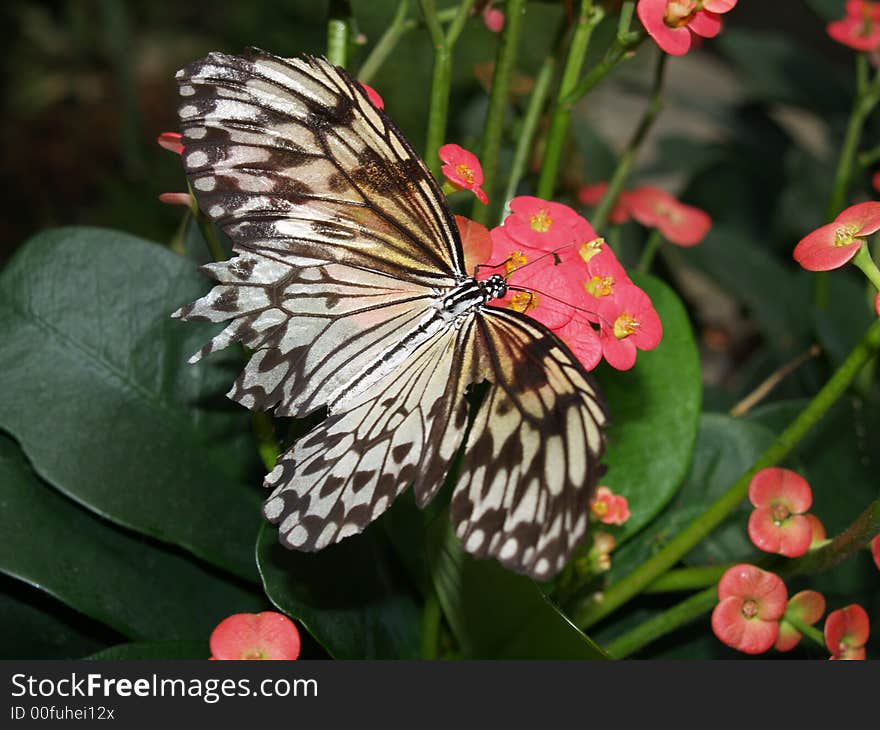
<point>495,287</point>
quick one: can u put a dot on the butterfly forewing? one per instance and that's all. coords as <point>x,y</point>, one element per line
<point>344,249</point>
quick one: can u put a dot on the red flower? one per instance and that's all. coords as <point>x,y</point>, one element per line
<point>859,28</point>
<point>545,225</point>
<point>609,508</point>
<point>672,23</point>
<point>373,95</point>
<point>778,524</point>
<point>680,224</point>
<point>170,141</point>
<point>267,635</point>
<point>807,607</point>
<point>475,242</point>
<point>493,18</point>
<point>184,199</point>
<point>628,321</point>
<point>875,551</point>
<point>604,272</point>
<point>751,602</point>
<point>846,632</point>
<point>593,194</point>
<point>835,244</point>
<point>875,181</point>
<point>463,170</point>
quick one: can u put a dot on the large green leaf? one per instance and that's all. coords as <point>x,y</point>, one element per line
<point>654,410</point>
<point>97,391</point>
<point>497,614</point>
<point>141,591</point>
<point>348,596</point>
<point>155,650</point>
<point>726,447</point>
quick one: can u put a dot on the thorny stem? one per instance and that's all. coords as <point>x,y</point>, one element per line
<point>621,592</point>
<point>624,166</point>
<point>498,102</point>
<point>588,19</point>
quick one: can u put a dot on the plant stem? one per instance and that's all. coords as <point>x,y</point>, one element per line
<point>651,247</point>
<point>588,19</point>
<point>337,32</point>
<point>864,261</point>
<point>529,126</point>
<point>442,75</point>
<point>498,102</point>
<point>624,167</point>
<point>687,579</point>
<point>621,592</point>
<point>811,632</point>
<point>668,621</point>
<point>386,44</point>
<point>430,626</point>
<point>870,158</point>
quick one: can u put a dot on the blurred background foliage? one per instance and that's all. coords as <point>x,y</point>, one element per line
<point>750,132</point>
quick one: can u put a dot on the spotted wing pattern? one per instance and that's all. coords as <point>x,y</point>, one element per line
<point>532,457</point>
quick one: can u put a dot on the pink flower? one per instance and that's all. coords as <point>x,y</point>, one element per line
<point>778,524</point>
<point>604,273</point>
<point>673,23</point>
<point>628,321</point>
<point>608,507</point>
<point>493,18</point>
<point>806,607</point>
<point>751,602</point>
<point>267,635</point>
<point>171,141</point>
<point>846,632</point>
<point>184,199</point>
<point>683,225</point>
<point>859,28</point>
<point>835,244</point>
<point>817,531</point>
<point>475,242</point>
<point>593,194</point>
<point>545,225</point>
<point>875,551</point>
<point>373,95</point>
<point>463,170</point>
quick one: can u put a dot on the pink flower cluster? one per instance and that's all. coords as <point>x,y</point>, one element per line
<point>860,27</point>
<point>674,24</point>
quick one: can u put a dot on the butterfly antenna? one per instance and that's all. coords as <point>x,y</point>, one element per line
<point>561,301</point>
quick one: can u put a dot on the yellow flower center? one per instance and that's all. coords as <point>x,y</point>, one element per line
<point>541,221</point>
<point>845,235</point>
<point>750,608</point>
<point>465,172</point>
<point>523,301</point>
<point>680,12</point>
<point>516,261</point>
<point>591,248</point>
<point>625,325</point>
<point>779,512</point>
<point>600,286</point>
<point>255,653</point>
<point>600,509</point>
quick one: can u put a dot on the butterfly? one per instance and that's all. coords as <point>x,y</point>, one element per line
<point>348,286</point>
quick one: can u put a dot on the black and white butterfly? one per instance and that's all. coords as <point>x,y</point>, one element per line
<point>348,284</point>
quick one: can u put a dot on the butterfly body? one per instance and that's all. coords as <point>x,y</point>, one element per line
<point>348,285</point>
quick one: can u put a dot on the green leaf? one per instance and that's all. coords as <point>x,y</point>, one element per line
<point>726,447</point>
<point>497,614</point>
<point>654,413</point>
<point>141,591</point>
<point>156,650</point>
<point>35,626</point>
<point>347,596</point>
<point>98,392</point>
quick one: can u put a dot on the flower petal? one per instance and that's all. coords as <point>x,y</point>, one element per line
<point>774,483</point>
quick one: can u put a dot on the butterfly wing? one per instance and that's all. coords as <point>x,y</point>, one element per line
<point>532,458</point>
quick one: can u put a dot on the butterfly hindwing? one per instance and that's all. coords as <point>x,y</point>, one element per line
<point>532,458</point>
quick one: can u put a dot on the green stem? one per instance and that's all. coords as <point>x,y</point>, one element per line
<point>864,261</point>
<point>687,579</point>
<point>627,160</point>
<point>870,158</point>
<point>621,592</point>
<point>614,240</point>
<point>811,632</point>
<point>499,99</point>
<point>386,44</point>
<point>529,126</point>
<point>588,19</point>
<point>337,32</point>
<point>651,247</point>
<point>430,626</point>
<point>668,621</point>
